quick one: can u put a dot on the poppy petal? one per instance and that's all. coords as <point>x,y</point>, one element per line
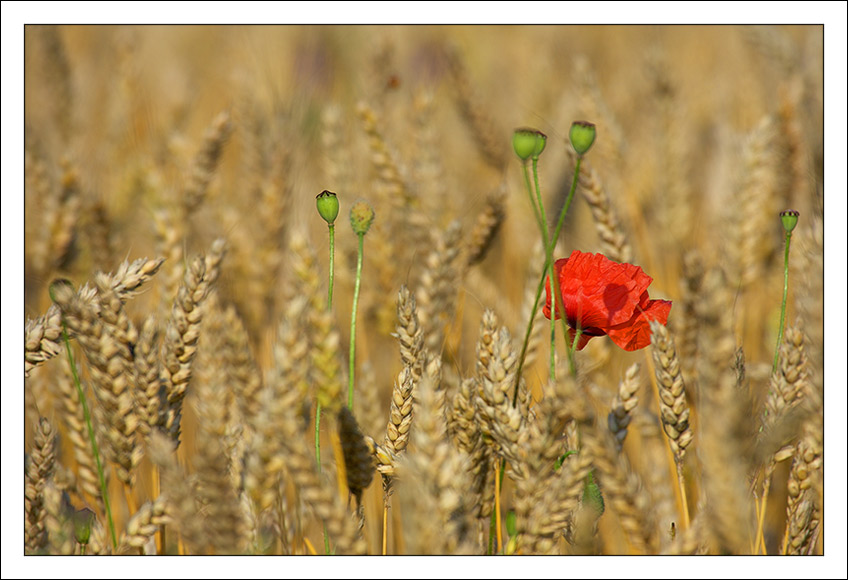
<point>599,292</point>
<point>636,333</point>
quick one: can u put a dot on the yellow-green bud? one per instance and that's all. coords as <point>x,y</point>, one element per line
<point>82,525</point>
<point>328,206</point>
<point>361,217</point>
<point>789,219</point>
<point>528,143</point>
<point>582,135</point>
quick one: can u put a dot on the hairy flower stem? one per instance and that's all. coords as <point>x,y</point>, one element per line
<point>529,189</point>
<point>332,231</point>
<point>353,321</point>
<point>549,260</point>
<point>783,303</point>
<point>541,286</point>
<point>94,448</point>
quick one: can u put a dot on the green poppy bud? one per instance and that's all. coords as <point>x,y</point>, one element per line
<point>328,206</point>
<point>528,143</point>
<point>582,135</point>
<point>361,217</point>
<point>82,525</point>
<point>789,219</point>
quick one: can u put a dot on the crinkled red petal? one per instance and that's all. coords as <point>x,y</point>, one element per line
<point>636,333</point>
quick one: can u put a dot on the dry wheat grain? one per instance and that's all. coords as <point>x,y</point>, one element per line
<point>180,344</point>
<point>674,409</point>
<point>436,294</point>
<point>39,468</point>
<point>144,524</point>
<point>205,163</point>
<point>623,404</point>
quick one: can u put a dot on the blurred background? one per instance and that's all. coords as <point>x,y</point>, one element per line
<point>705,133</point>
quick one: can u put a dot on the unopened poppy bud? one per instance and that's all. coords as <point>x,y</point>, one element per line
<point>528,143</point>
<point>789,219</point>
<point>82,525</point>
<point>328,206</point>
<point>582,135</point>
<point>361,217</point>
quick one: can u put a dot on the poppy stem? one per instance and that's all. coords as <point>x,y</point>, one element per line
<point>352,356</point>
<point>556,295</point>
<point>529,189</point>
<point>549,259</point>
<point>94,448</point>
<point>783,303</point>
<point>332,234</point>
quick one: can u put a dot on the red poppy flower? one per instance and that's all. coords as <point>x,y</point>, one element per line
<point>603,297</point>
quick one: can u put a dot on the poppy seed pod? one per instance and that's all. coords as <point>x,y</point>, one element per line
<point>82,525</point>
<point>582,135</point>
<point>361,217</point>
<point>328,206</point>
<point>789,219</point>
<point>528,143</point>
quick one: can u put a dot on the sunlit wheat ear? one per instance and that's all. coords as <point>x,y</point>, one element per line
<point>623,404</point>
<point>147,373</point>
<point>109,359</point>
<point>486,228</point>
<point>143,525</point>
<point>500,422</point>
<point>42,338</point>
<point>436,296</point>
<point>39,468</point>
<point>674,408</point>
<point>805,486</point>
<point>205,163</point>
<point>748,246</point>
<point>76,431</point>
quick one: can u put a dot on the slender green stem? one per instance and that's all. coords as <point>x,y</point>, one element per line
<point>332,231</point>
<point>94,448</point>
<point>332,252</point>
<point>558,298</point>
<point>783,303</point>
<point>318,435</point>
<point>353,322</point>
<point>529,189</point>
<point>549,260</point>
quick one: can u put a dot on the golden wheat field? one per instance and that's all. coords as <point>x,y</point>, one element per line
<point>229,395</point>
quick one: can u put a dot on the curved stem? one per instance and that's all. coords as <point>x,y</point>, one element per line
<point>542,281</point>
<point>353,322</point>
<point>549,261</point>
<point>94,448</point>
